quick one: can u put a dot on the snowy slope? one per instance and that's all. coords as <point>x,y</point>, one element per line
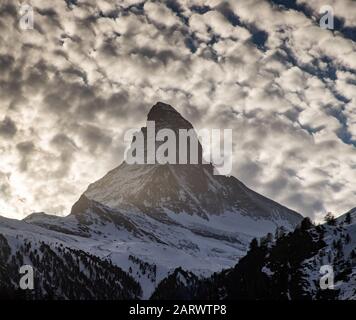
<point>190,241</point>
<point>337,250</point>
<point>285,267</point>
<point>340,241</point>
<point>265,273</point>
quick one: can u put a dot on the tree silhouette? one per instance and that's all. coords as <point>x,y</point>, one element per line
<point>330,219</point>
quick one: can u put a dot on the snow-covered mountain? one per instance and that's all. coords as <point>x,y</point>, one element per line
<point>149,219</point>
<point>156,190</point>
<point>270,271</point>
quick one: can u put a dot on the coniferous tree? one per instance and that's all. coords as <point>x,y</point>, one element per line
<point>348,218</point>
<point>254,244</point>
<point>330,219</point>
<point>280,232</point>
<point>348,239</point>
<point>353,255</point>
<point>306,224</point>
<point>265,241</point>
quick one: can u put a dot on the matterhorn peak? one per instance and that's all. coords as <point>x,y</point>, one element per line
<point>155,187</point>
<point>166,117</point>
<point>161,107</point>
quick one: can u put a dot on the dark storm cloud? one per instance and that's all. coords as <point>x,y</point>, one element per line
<point>67,149</point>
<point>7,128</point>
<point>95,138</point>
<point>6,63</point>
<point>26,147</point>
<point>8,9</point>
<point>249,171</point>
<point>57,103</point>
<point>305,203</point>
<point>278,185</point>
<point>63,141</point>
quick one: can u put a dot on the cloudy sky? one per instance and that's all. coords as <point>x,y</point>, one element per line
<point>70,88</point>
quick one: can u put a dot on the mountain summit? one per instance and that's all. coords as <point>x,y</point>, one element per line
<point>182,188</point>
<point>166,117</point>
<point>149,219</point>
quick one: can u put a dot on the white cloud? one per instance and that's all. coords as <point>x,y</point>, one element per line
<point>89,71</point>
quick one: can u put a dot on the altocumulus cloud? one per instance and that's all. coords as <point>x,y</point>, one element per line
<point>88,71</point>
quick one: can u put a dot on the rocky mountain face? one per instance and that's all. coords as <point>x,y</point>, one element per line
<point>270,271</point>
<point>182,188</point>
<point>146,220</point>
